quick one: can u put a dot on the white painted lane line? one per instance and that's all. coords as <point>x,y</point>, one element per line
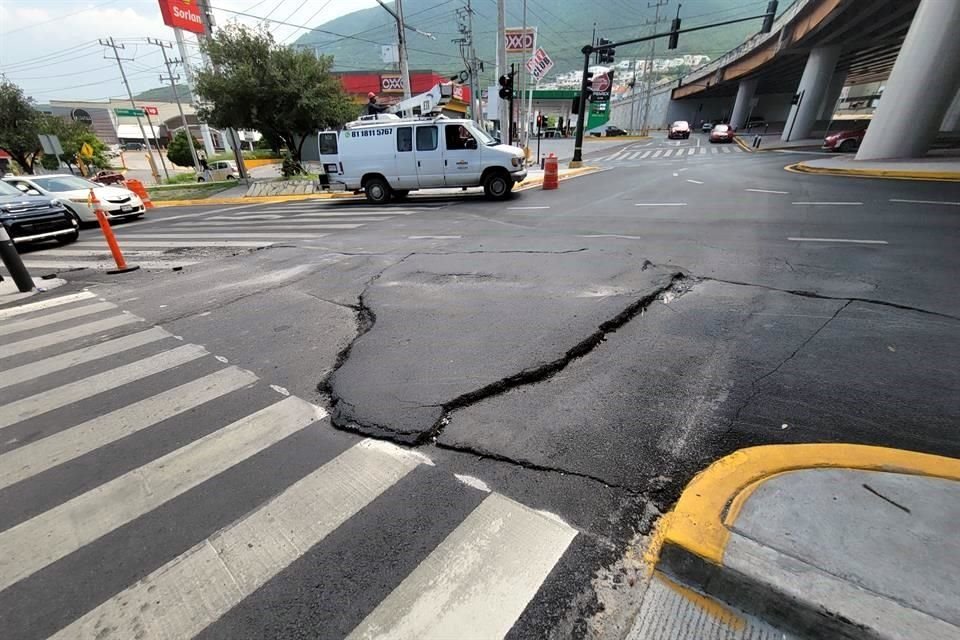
<point>681,170</point>
<point>31,406</point>
<point>612,235</point>
<point>53,318</point>
<point>817,204</point>
<point>100,254</point>
<point>20,464</point>
<point>526,208</point>
<point>36,543</point>
<point>197,588</point>
<point>63,361</point>
<point>292,220</point>
<point>104,264</point>
<point>204,236</point>
<point>480,578</point>
<point>714,150</point>
<point>157,218</point>
<point>676,175</point>
<point>726,149</point>
<point>694,181</point>
<point>66,335</point>
<point>434,237</point>
<point>660,204</point>
<point>781,193</point>
<point>204,241</point>
<point>326,214</point>
<point>843,240</point>
<point>953,204</point>
<point>45,304</point>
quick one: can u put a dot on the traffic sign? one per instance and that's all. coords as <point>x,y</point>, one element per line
<point>151,111</point>
<point>86,151</point>
<point>50,144</point>
<point>128,113</point>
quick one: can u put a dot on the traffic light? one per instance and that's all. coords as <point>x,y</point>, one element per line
<point>674,35</point>
<point>768,19</point>
<point>588,84</point>
<point>506,86</point>
<point>605,54</point>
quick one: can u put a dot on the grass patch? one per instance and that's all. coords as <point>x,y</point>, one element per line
<point>181,178</point>
<point>256,154</point>
<point>191,191</point>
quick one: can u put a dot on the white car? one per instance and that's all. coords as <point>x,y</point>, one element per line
<point>221,170</point>
<point>74,192</point>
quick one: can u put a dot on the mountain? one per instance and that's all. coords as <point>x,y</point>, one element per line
<point>163,94</point>
<point>564,27</point>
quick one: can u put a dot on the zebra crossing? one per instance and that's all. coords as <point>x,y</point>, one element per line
<point>151,489</point>
<point>632,155</point>
<point>185,240</point>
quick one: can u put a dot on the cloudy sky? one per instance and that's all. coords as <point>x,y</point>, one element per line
<point>50,48</point>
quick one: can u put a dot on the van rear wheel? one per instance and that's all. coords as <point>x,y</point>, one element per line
<point>377,190</point>
<point>497,185</point>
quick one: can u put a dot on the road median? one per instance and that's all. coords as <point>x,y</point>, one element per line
<point>793,534</point>
<point>931,171</point>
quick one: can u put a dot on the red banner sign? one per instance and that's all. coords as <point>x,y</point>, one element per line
<point>391,84</point>
<point>182,14</point>
<point>520,40</point>
<point>150,111</point>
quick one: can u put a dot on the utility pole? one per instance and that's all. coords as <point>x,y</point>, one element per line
<point>649,74</point>
<point>192,96</point>
<point>176,96</point>
<point>474,70</point>
<point>401,45</point>
<point>502,65</point>
<point>116,54</point>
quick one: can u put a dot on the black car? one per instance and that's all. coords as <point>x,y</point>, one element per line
<point>614,131</point>
<point>35,218</point>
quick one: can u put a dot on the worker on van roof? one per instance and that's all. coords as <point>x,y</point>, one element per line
<point>372,106</point>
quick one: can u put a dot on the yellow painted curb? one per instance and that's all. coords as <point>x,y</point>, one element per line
<point>712,500</point>
<point>565,175</point>
<point>853,172</point>
<point>255,199</point>
<point>260,162</point>
<point>743,145</point>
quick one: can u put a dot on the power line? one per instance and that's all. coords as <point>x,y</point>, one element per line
<point>60,17</point>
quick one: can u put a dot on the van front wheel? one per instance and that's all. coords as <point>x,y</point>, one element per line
<point>497,186</point>
<point>378,191</point>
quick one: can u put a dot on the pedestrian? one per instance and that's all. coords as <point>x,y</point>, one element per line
<point>204,167</point>
<point>372,107</point>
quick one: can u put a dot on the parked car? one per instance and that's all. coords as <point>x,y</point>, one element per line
<point>721,133</point>
<point>35,218</point>
<point>221,170</point>
<point>74,191</point>
<point>108,176</point>
<point>707,126</point>
<point>132,146</point>
<point>679,129</point>
<point>845,141</point>
<point>614,131</point>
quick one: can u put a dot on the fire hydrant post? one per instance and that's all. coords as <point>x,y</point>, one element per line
<point>122,266</point>
<point>13,263</point>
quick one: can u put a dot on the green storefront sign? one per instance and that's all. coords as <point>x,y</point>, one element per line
<point>128,113</point>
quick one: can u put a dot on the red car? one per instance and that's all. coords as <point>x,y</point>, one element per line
<point>846,141</point>
<point>109,177</point>
<point>721,133</point>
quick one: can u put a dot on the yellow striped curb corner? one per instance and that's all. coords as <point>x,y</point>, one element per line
<point>888,174</point>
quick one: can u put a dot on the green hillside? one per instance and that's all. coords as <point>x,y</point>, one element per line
<point>564,27</point>
<point>164,94</point>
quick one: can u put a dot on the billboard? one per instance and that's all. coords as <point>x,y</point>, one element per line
<point>182,14</point>
<point>540,64</point>
<point>392,83</point>
<point>520,40</point>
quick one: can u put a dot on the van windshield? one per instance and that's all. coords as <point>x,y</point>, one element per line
<point>481,135</point>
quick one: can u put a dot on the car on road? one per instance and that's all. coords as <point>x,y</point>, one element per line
<point>707,126</point>
<point>614,131</point>
<point>721,133</point>
<point>74,192</point>
<point>29,218</point>
<point>221,170</point>
<point>108,176</point>
<point>132,146</point>
<point>679,129</point>
<point>845,141</point>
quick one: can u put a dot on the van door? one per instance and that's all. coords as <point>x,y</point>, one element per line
<point>461,156</point>
<point>429,156</point>
<point>330,154</point>
<point>406,176</point>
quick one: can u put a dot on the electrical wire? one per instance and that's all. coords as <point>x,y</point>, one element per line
<point>60,17</point>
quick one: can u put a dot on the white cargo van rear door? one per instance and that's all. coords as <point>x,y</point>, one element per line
<point>330,154</point>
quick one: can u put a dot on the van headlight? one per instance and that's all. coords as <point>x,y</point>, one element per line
<point>517,162</point>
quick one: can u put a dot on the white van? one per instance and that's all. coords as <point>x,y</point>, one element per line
<point>390,157</point>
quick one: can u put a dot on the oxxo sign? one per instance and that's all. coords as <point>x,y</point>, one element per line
<point>519,40</point>
<point>391,84</point>
<point>539,64</point>
<point>182,14</point>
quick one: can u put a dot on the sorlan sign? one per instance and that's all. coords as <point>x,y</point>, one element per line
<point>182,14</point>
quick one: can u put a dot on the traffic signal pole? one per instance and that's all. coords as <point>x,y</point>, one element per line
<point>590,49</point>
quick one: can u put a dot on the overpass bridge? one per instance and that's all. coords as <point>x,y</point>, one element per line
<point>795,74</point>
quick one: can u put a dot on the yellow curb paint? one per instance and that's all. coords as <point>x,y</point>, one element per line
<point>260,162</point>
<point>708,605</point>
<point>564,175</point>
<point>743,145</point>
<point>923,176</point>
<point>696,522</point>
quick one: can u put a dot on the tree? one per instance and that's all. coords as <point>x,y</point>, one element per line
<point>178,151</point>
<point>254,83</point>
<point>72,135</point>
<point>19,123</point>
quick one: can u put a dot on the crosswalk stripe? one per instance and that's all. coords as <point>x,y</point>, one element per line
<point>656,154</point>
<point>667,153</point>
<point>53,318</point>
<point>80,356</point>
<point>105,264</point>
<point>192,591</point>
<point>45,304</point>
<point>616,156</point>
<point>480,578</point>
<point>25,408</point>
<point>209,236</point>
<point>65,335</point>
<point>691,151</point>
<point>205,241</point>
<point>703,150</point>
<point>216,227</point>
<point>645,154</point>
<point>36,543</point>
<point>633,156</point>
<point>726,149</point>
<point>61,447</point>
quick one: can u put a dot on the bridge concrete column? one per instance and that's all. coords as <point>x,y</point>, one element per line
<point>812,89</point>
<point>923,82</point>
<point>741,108</point>
<point>833,94</point>
<point>951,121</point>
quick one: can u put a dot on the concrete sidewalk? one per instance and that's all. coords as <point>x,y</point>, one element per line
<point>831,540</point>
<point>937,168</point>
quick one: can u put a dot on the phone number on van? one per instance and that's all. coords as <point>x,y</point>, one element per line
<point>370,132</point>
